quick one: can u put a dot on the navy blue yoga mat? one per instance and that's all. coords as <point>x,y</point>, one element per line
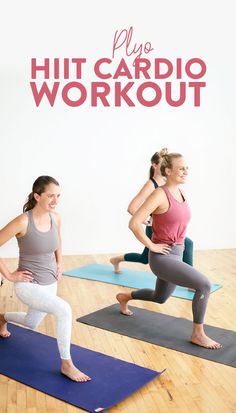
<point>32,359</point>
<point>127,278</point>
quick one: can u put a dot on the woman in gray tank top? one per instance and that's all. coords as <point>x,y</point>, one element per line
<point>37,231</point>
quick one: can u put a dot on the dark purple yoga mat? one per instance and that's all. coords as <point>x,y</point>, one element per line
<point>32,358</point>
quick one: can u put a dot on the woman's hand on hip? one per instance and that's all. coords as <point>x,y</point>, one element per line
<point>161,248</point>
<point>20,276</point>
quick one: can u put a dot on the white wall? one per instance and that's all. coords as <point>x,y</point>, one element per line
<point>101,155</point>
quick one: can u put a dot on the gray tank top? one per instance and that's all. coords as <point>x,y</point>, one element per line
<point>37,252</point>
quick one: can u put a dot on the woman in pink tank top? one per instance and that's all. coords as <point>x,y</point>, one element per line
<point>171,215</point>
<point>155,180</point>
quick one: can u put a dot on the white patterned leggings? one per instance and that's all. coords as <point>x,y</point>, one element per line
<point>42,299</point>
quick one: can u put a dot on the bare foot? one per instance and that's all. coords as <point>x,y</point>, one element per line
<point>69,370</point>
<point>116,262</point>
<point>123,300</point>
<point>203,341</point>
<point>4,333</point>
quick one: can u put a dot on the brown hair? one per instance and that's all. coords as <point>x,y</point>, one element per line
<point>39,186</point>
<point>157,158</point>
<point>167,161</point>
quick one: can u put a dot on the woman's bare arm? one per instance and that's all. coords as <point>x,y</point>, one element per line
<point>16,227</point>
<point>152,204</point>
<point>140,198</point>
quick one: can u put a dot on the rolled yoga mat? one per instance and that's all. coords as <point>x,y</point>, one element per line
<point>128,278</point>
<point>165,331</point>
<point>32,358</point>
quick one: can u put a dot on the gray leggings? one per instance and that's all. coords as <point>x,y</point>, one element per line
<point>172,271</point>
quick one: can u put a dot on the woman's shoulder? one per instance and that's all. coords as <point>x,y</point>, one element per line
<point>56,217</point>
<point>153,183</point>
<point>17,226</point>
<point>160,190</point>
<point>21,219</point>
<point>148,185</point>
<point>159,193</point>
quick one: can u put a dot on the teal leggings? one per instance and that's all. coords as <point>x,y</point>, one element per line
<point>143,258</point>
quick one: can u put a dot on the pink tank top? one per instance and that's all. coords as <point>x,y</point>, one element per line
<point>170,227</point>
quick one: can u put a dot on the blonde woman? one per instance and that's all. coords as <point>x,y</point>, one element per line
<point>155,180</point>
<point>170,214</point>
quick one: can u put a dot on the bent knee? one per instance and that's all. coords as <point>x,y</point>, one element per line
<point>63,310</point>
<point>32,324</point>
<point>206,287</point>
<point>160,300</point>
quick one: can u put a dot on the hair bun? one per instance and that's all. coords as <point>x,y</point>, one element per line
<point>163,152</point>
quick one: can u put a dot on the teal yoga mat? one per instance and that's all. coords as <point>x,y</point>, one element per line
<point>128,278</point>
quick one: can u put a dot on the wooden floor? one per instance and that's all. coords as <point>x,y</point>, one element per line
<point>190,384</point>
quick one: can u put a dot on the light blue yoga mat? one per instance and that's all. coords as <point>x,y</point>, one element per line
<point>128,278</point>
